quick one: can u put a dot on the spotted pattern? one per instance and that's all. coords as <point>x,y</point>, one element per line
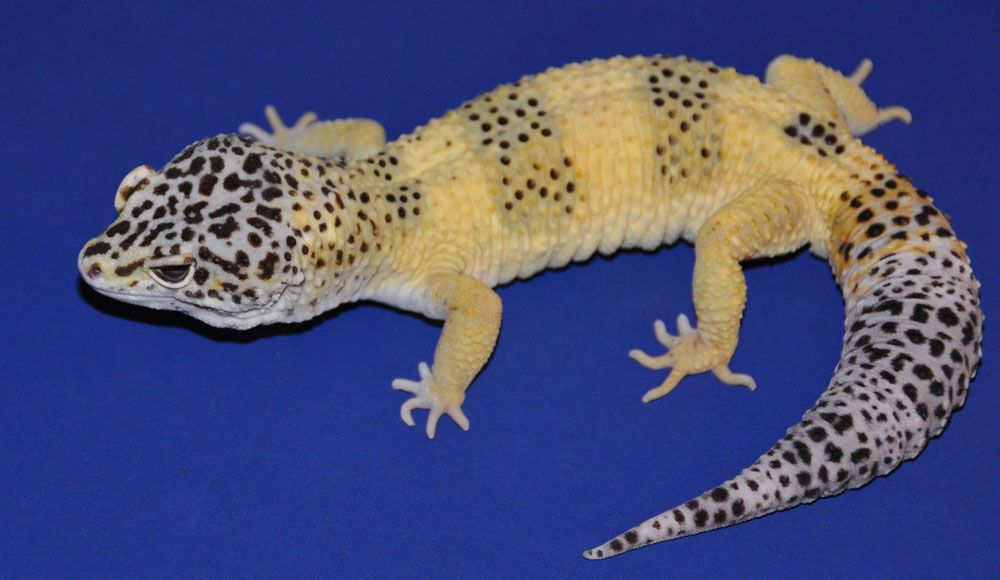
<point>912,345</point>
<point>596,156</point>
<point>254,224</point>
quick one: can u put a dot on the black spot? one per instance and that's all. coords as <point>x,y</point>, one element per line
<point>260,225</point>
<point>720,494</point>
<point>127,242</point>
<point>97,249</point>
<point>920,313</point>
<point>271,213</point>
<point>833,453</point>
<point>252,163</point>
<point>631,536</point>
<point>127,269</point>
<point>207,183</point>
<point>860,455</point>
<point>265,268</point>
<point>119,228</point>
<point>922,372</point>
<point>271,193</point>
<point>225,210</point>
<point>947,316</point>
<point>840,423</point>
<point>225,229</point>
<point>192,213</point>
<point>875,230</point>
<point>617,545</point>
<point>804,478</point>
<point>700,518</point>
<point>803,451</point>
<point>679,516</point>
<point>895,307</point>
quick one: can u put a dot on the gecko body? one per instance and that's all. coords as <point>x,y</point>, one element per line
<point>588,158</point>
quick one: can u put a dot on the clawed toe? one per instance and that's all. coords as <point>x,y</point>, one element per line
<point>279,131</point>
<point>424,398</point>
<point>687,353</point>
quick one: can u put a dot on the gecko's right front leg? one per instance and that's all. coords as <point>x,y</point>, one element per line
<point>467,340</point>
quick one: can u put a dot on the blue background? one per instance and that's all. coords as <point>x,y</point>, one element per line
<point>142,444</point>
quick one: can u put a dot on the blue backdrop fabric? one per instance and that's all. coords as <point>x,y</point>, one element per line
<point>141,444</point>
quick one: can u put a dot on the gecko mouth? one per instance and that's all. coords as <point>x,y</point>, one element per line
<point>273,309</point>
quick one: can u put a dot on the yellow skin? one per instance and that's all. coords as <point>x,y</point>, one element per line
<point>592,157</point>
<point>624,167</point>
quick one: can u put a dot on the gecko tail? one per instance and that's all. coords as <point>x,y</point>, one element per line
<point>912,344</point>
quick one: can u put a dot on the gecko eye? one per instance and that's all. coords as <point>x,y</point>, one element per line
<point>172,276</point>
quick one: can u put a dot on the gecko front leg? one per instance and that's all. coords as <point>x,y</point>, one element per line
<point>467,340</point>
<point>350,138</point>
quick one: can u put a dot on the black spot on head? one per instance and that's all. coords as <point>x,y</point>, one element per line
<point>97,249</point>
<point>119,228</point>
<point>224,229</point>
<point>271,213</point>
<point>252,163</point>
<point>265,268</point>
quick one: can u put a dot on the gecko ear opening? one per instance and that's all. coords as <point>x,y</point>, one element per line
<point>136,179</point>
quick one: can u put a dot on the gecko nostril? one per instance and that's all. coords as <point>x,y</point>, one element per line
<point>94,271</point>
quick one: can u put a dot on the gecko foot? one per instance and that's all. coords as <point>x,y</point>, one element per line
<point>280,134</point>
<point>687,353</point>
<point>425,396</point>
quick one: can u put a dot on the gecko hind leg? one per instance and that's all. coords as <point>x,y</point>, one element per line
<point>833,93</point>
<point>348,138</point>
<point>687,354</point>
<point>767,220</point>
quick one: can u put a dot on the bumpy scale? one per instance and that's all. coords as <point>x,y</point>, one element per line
<point>592,157</point>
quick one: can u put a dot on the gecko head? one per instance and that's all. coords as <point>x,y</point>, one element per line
<point>210,234</point>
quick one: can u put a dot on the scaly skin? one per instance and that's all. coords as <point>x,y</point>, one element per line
<point>592,157</point>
